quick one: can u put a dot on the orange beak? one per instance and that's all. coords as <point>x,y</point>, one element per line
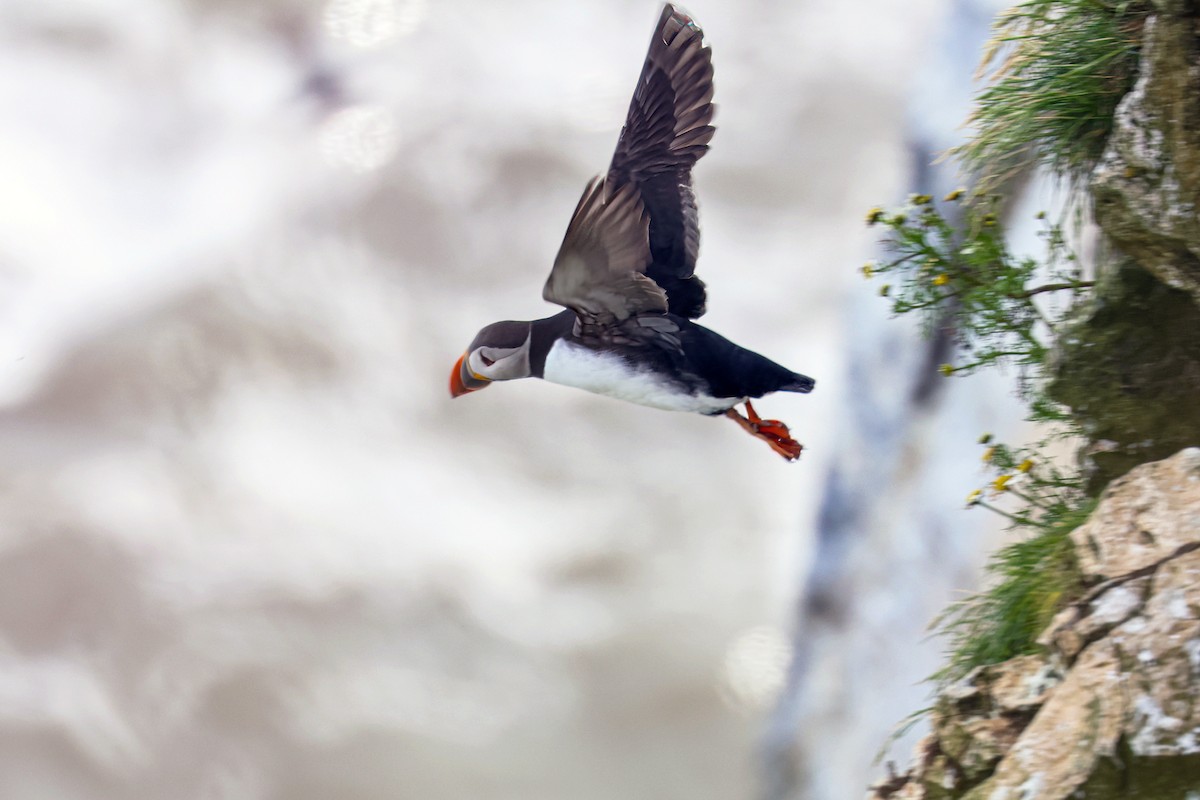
<point>462,381</point>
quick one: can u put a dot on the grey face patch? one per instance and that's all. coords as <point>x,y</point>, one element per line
<point>507,334</point>
<point>500,352</point>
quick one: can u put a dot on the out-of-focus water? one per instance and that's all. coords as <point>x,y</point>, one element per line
<point>248,546</point>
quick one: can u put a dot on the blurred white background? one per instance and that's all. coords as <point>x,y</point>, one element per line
<point>250,549</point>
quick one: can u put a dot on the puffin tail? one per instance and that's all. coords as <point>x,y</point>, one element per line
<point>799,383</point>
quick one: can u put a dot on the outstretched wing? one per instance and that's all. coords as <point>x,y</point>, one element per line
<point>666,131</point>
<point>599,272</point>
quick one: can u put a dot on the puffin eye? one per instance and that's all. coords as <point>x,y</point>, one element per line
<point>487,362</point>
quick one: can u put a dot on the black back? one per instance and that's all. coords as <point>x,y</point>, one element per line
<point>730,370</point>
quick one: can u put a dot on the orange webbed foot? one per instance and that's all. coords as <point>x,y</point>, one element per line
<point>771,431</point>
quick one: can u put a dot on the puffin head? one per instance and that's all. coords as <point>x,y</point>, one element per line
<point>500,352</point>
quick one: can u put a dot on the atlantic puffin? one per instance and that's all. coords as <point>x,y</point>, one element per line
<point>625,271</point>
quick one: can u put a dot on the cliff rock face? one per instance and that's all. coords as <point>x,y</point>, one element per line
<point>1147,189</point>
<point>1129,368</point>
<point>1110,708</point>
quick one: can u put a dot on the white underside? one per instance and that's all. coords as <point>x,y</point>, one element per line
<point>608,374</point>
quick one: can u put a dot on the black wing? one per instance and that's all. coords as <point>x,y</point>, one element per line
<point>666,131</point>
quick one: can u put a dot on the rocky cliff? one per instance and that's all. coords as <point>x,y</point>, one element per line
<point>1130,368</point>
<point>1110,708</point>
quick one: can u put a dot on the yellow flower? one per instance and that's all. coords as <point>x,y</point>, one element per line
<point>1001,482</point>
<point>868,270</point>
<point>957,193</point>
<point>921,199</point>
<point>987,454</point>
<point>885,290</point>
<point>1025,465</point>
<point>989,220</point>
<point>874,215</point>
<point>941,280</point>
<point>946,369</point>
<point>974,497</point>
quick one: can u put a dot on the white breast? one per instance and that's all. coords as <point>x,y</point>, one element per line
<point>608,374</point>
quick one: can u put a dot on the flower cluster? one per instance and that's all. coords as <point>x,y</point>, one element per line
<point>1039,485</point>
<point>954,259</point>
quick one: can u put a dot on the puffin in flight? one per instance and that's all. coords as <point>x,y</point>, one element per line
<point>625,270</point>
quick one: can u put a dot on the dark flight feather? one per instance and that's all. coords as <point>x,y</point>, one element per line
<point>666,130</point>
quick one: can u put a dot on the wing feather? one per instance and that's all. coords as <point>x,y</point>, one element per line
<point>599,271</point>
<point>666,130</point>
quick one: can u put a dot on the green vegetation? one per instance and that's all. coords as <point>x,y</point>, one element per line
<point>1034,577</point>
<point>1006,310</point>
<point>1056,70</point>
<point>1000,316</point>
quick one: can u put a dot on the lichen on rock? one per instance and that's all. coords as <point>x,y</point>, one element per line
<point>1147,186</point>
<point>1114,708</point>
<point>1149,516</point>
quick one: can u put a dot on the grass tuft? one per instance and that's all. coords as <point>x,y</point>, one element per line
<point>1034,578</point>
<point>1056,70</point>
